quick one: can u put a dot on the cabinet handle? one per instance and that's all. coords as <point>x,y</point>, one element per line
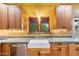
<point>59,43</point>
<point>59,49</point>
<point>16,46</point>
<point>77,49</point>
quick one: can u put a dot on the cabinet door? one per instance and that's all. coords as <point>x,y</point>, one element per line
<point>64,16</point>
<point>3,17</point>
<point>77,51</point>
<point>74,49</point>
<point>14,17</point>
<point>5,49</point>
<point>33,51</point>
<point>57,50</point>
<point>11,17</point>
<point>18,18</point>
<point>0,49</point>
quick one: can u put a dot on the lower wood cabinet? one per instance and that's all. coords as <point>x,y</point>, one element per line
<point>56,49</point>
<point>74,49</point>
<point>0,49</point>
<point>59,49</point>
<point>39,52</point>
<point>4,49</point>
<point>33,52</point>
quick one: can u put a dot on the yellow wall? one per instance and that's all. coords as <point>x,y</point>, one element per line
<point>37,10</point>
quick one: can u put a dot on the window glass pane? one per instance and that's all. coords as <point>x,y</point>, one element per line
<point>44,25</point>
<point>33,24</point>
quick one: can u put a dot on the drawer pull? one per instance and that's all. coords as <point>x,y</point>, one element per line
<point>59,49</point>
<point>77,49</point>
<point>59,43</point>
<point>17,46</point>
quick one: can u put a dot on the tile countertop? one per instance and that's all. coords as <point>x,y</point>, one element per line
<point>51,40</point>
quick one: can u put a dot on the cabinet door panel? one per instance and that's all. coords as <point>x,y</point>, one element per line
<point>67,17</point>
<point>33,51</point>
<point>11,17</point>
<point>14,17</point>
<point>55,51</point>
<point>64,16</point>
<point>59,16</point>
<point>77,51</point>
<point>3,17</point>
<point>0,49</point>
<point>73,50</point>
<point>58,49</point>
<point>64,51</point>
<point>5,49</point>
<point>18,18</point>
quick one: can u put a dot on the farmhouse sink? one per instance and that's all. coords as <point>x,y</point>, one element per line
<point>39,43</point>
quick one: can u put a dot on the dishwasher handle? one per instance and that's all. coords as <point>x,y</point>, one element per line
<point>17,46</point>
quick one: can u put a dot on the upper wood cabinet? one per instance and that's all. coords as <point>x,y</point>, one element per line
<point>64,16</point>
<point>14,17</point>
<point>10,17</point>
<point>3,17</point>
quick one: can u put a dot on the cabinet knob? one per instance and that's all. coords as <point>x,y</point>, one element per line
<point>59,49</point>
<point>77,49</point>
<point>59,43</point>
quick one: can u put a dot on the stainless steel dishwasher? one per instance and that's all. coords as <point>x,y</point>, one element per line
<point>18,49</point>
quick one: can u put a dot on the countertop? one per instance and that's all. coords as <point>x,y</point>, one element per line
<point>51,40</point>
<point>21,36</point>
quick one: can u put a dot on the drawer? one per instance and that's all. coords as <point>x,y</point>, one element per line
<point>42,53</point>
<point>33,49</point>
<point>59,45</point>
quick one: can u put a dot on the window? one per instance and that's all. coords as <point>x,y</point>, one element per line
<point>43,26</point>
<point>33,24</point>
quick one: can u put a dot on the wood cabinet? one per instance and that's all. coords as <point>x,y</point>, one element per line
<point>4,49</point>
<point>38,51</point>
<point>3,17</point>
<point>0,49</point>
<point>57,49</point>
<point>14,17</point>
<point>64,16</point>
<point>33,52</point>
<point>10,17</point>
<point>74,49</point>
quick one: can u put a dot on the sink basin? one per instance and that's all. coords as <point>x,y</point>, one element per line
<point>39,44</point>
